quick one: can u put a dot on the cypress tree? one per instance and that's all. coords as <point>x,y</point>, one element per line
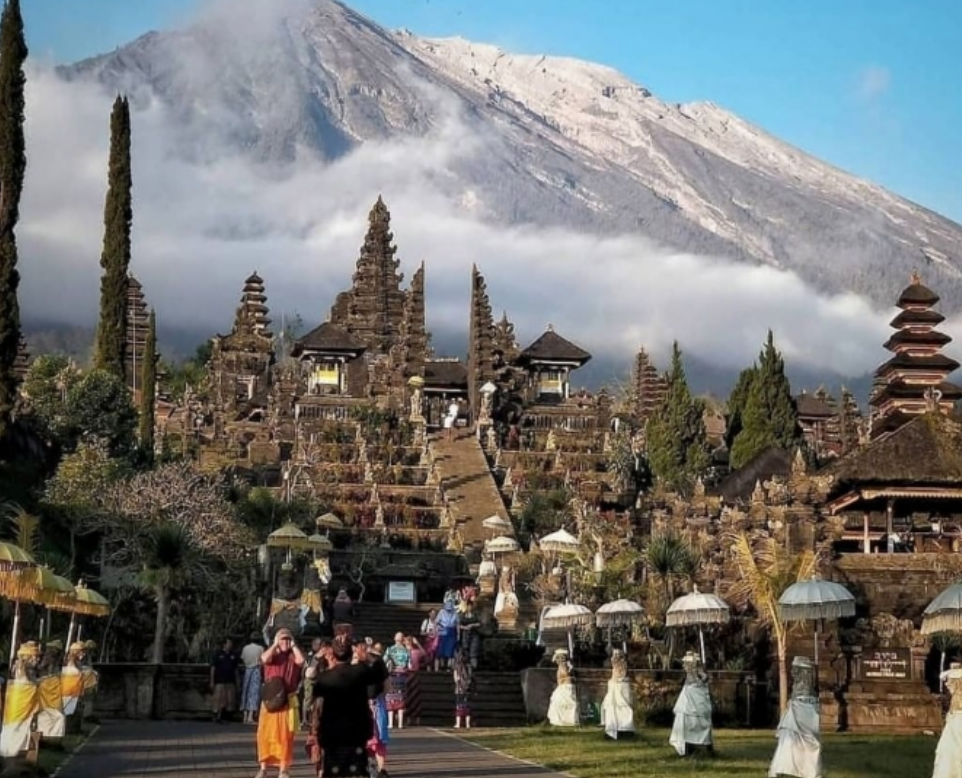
<point>677,442</point>
<point>770,417</point>
<point>736,404</point>
<point>115,259</point>
<point>13,166</point>
<point>148,386</point>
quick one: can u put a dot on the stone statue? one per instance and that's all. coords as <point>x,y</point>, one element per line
<point>506,603</point>
<point>51,721</point>
<point>692,726</point>
<point>21,703</point>
<point>948,753</point>
<point>618,706</point>
<point>563,707</point>
<point>799,749</point>
<point>417,404</point>
<point>487,575</point>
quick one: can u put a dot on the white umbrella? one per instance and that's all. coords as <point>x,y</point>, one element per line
<point>501,545</point>
<point>566,617</point>
<point>697,609</point>
<point>944,613</point>
<point>813,600</point>
<point>561,542</point>
<point>619,613</point>
<point>496,523</point>
<point>329,521</point>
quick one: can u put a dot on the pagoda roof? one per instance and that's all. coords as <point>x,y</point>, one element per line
<point>738,485</point>
<point>930,338</point>
<point>813,407</point>
<point>901,389</point>
<point>253,278</point>
<point>328,337</point>
<point>445,373</point>
<point>924,451</point>
<point>916,293</point>
<point>551,347</point>
<point>905,318</point>
<point>936,362</point>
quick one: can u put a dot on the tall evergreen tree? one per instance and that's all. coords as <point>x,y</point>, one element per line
<point>677,444</point>
<point>13,166</point>
<point>115,259</point>
<point>770,417</point>
<point>736,404</point>
<point>148,388</point>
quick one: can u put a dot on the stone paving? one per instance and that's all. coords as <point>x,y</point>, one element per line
<point>161,749</point>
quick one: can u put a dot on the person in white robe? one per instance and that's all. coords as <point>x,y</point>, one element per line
<point>617,708</point>
<point>948,753</point>
<point>692,726</point>
<point>799,750</point>
<point>563,706</point>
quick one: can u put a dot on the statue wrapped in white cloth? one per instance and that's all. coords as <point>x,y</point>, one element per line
<point>563,707</point>
<point>948,753</point>
<point>799,750</point>
<point>692,725</point>
<point>617,708</point>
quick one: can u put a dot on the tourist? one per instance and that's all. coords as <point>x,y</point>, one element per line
<point>282,663</point>
<point>447,634</point>
<point>223,681</point>
<point>451,419</point>
<point>345,718</point>
<point>429,635</point>
<point>398,661</point>
<point>418,656</point>
<point>378,690</point>
<point>469,626</point>
<point>463,683</point>
<point>253,677</point>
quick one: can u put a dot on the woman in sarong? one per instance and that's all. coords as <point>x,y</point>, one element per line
<point>398,661</point>
<point>446,626</point>
<point>429,636</point>
<point>276,727</point>
<point>253,677</point>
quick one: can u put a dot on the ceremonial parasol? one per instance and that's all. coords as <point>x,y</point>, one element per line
<point>562,542</point>
<point>501,545</point>
<point>320,543</point>
<point>566,617</point>
<point>813,600</point>
<point>620,613</point>
<point>496,523</point>
<point>88,603</point>
<point>14,583</point>
<point>52,591</point>
<point>696,610</point>
<point>329,521</point>
<point>290,537</point>
<point>944,613</point>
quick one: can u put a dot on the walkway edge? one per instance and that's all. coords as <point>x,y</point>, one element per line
<point>528,762</point>
<point>76,751</point>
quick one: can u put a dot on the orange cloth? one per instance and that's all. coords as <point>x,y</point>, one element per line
<point>275,735</point>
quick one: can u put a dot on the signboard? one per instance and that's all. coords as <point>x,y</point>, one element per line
<point>401,591</point>
<point>890,664</point>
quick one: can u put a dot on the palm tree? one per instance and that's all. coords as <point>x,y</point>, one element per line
<point>671,558</point>
<point>169,561</point>
<point>766,568</point>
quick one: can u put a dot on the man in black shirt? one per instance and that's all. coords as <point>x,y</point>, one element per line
<point>223,681</point>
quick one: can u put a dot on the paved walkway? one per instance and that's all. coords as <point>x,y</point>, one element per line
<point>161,749</point>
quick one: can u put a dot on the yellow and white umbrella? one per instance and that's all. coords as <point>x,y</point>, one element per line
<point>88,603</point>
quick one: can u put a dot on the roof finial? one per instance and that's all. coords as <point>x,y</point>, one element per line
<point>550,327</point>
<point>916,279</point>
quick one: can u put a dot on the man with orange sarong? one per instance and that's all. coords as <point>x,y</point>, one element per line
<point>278,722</point>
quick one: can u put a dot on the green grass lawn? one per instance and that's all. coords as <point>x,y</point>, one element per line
<point>586,753</point>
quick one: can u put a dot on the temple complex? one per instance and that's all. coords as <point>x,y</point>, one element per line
<point>829,427</point>
<point>915,377</point>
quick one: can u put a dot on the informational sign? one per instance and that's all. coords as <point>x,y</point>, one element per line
<point>401,591</point>
<point>890,664</point>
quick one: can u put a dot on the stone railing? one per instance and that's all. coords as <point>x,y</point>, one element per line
<point>145,691</point>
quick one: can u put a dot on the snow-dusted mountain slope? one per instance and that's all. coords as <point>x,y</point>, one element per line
<point>566,143</point>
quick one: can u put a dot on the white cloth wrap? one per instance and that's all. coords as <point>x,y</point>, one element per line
<point>617,708</point>
<point>563,708</point>
<point>799,750</point>
<point>692,718</point>
<point>948,753</point>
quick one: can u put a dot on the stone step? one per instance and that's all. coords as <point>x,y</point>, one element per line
<point>380,621</point>
<point>497,700</point>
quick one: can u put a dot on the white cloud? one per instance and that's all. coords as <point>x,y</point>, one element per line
<point>199,230</point>
<point>873,82</point>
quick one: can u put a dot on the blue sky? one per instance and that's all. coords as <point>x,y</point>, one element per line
<point>869,85</point>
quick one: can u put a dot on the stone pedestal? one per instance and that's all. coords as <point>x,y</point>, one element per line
<point>487,585</point>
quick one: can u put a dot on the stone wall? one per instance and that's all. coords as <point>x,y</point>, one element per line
<point>144,691</point>
<point>900,584</point>
<point>737,699</point>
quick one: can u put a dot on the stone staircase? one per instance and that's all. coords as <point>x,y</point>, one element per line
<point>497,700</point>
<point>469,485</point>
<point>380,621</point>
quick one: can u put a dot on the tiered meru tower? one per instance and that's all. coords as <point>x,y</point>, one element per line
<point>137,324</point>
<point>914,379</point>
